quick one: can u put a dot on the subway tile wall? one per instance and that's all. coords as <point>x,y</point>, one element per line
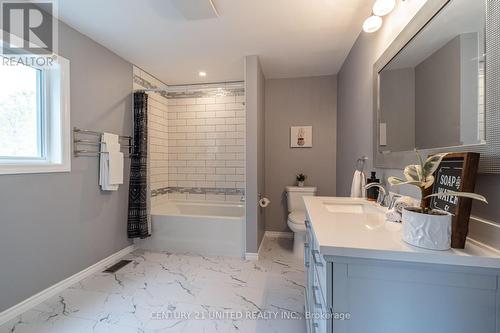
<point>196,140</point>
<point>206,142</point>
<point>157,129</point>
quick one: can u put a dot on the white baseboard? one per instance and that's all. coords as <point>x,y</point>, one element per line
<point>279,234</point>
<point>53,290</point>
<point>255,256</point>
<point>251,256</point>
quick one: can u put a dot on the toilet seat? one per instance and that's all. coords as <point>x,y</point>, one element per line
<point>297,218</point>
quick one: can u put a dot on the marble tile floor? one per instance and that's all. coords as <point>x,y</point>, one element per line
<point>162,292</point>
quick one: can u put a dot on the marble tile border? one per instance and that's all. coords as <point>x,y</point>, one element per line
<point>195,91</point>
<point>148,85</point>
<point>198,190</point>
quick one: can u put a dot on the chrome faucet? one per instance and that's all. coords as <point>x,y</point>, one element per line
<point>383,194</point>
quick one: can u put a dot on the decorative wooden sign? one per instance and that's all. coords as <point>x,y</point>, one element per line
<point>457,172</point>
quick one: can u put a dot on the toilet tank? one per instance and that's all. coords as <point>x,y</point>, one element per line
<point>294,196</point>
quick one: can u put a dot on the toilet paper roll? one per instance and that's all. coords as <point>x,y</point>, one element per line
<point>264,202</point>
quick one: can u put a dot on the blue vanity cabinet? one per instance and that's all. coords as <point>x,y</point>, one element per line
<point>360,295</point>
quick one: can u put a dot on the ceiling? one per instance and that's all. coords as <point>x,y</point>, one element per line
<point>293,38</point>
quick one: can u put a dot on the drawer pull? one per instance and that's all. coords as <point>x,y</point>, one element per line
<point>317,261</point>
<point>317,302</point>
<point>306,254</point>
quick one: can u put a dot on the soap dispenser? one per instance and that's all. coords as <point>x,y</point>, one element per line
<point>372,193</point>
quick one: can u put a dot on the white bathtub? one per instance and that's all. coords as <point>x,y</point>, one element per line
<point>206,228</point>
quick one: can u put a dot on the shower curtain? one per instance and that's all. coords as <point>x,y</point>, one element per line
<point>139,218</point>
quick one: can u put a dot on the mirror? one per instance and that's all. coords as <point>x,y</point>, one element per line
<point>431,94</point>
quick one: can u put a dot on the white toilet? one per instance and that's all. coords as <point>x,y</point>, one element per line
<point>297,215</point>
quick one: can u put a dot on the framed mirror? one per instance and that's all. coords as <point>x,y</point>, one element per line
<point>436,87</point>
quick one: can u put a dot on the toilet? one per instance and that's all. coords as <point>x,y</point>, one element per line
<point>297,215</point>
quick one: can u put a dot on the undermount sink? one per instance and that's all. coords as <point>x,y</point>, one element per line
<point>352,207</point>
<point>344,208</point>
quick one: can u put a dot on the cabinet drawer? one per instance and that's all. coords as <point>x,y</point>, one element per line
<point>319,308</point>
<point>315,259</point>
<point>320,280</point>
<point>318,292</point>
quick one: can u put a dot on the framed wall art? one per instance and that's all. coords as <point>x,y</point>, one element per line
<point>301,137</point>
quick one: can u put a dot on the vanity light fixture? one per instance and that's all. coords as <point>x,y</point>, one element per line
<point>202,73</point>
<point>380,8</point>
<point>383,7</point>
<point>372,24</point>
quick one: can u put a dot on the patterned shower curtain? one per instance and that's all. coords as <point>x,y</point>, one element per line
<point>139,223</point>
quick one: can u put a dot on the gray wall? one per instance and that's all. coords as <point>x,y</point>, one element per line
<point>55,225</point>
<point>355,114</point>
<point>294,102</point>
<point>255,143</point>
<point>437,98</point>
<point>397,103</point>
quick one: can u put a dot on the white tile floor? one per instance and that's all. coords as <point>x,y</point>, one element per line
<point>160,292</point>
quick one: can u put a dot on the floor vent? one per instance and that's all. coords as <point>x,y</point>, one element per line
<point>119,265</point>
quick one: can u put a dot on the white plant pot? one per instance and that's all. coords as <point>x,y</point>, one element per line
<point>431,232</point>
<point>300,184</point>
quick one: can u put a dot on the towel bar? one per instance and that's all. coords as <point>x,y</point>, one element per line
<point>87,142</point>
<point>84,131</point>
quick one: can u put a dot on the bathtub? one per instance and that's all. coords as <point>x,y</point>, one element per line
<point>206,228</point>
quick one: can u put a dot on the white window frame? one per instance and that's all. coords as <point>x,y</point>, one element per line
<point>57,125</point>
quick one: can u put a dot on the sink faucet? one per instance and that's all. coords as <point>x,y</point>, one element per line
<point>383,194</point>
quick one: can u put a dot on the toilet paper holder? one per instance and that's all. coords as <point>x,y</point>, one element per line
<point>263,201</point>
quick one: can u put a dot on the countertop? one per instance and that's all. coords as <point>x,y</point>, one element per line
<point>369,235</point>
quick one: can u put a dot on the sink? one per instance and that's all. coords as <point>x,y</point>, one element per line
<point>352,207</point>
<point>344,208</point>
<point>370,215</point>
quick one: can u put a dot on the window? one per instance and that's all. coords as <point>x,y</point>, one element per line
<point>34,117</point>
<point>21,112</point>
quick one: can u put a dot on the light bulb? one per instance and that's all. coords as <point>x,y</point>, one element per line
<point>383,7</point>
<point>202,74</point>
<point>372,24</point>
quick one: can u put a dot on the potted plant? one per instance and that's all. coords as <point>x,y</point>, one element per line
<point>422,226</point>
<point>301,178</point>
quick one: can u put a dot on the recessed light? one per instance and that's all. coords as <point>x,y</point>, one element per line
<point>383,7</point>
<point>372,24</point>
<point>202,73</point>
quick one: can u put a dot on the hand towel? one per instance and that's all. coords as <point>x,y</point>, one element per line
<point>358,185</point>
<point>115,168</point>
<point>111,163</point>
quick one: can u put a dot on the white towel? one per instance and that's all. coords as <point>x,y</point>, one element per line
<point>111,163</point>
<point>115,168</point>
<point>358,185</point>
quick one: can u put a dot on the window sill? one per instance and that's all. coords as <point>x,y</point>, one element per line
<point>14,169</point>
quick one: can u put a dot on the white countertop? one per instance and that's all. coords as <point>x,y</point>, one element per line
<point>370,236</point>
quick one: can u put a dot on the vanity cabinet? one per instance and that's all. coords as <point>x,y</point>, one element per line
<point>364,295</point>
<point>318,302</point>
